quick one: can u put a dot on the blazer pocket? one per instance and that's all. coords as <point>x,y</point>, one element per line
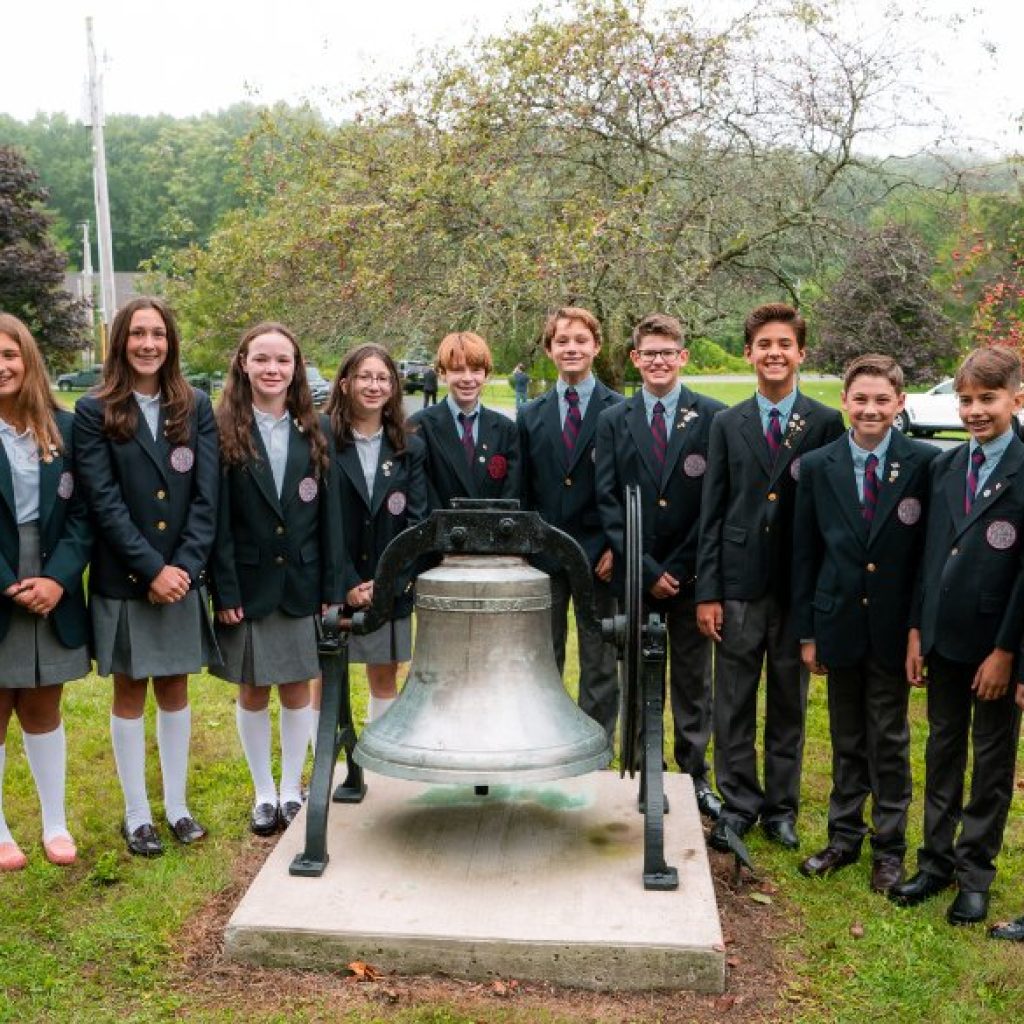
<point>990,604</point>
<point>736,534</point>
<point>823,602</point>
<point>309,553</point>
<point>246,554</point>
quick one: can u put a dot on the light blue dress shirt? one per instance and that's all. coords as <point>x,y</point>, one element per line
<point>785,407</point>
<point>860,458</point>
<point>368,449</point>
<point>670,401</point>
<point>584,389</point>
<point>23,456</point>
<point>993,453</point>
<point>453,408</point>
<point>275,432</point>
<point>149,405</point>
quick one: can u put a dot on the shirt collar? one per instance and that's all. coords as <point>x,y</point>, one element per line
<point>366,438</point>
<point>669,401</point>
<point>995,448</point>
<point>268,419</point>
<point>7,428</point>
<point>453,407</point>
<point>860,455</point>
<point>584,389</point>
<point>145,400</point>
<point>784,405</point>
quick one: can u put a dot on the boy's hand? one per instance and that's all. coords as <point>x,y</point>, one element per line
<point>603,569</point>
<point>915,662</point>
<point>709,619</point>
<point>1020,696</point>
<point>666,585</point>
<point>809,656</point>
<point>992,679</point>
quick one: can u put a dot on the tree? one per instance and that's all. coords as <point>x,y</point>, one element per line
<point>31,269</point>
<point>884,301</point>
<point>613,157</point>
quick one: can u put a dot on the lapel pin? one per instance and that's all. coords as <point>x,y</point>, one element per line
<point>385,468</point>
<point>985,493</point>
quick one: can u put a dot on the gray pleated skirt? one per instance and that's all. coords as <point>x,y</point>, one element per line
<point>387,643</point>
<point>276,649</point>
<point>137,639</point>
<point>31,654</point>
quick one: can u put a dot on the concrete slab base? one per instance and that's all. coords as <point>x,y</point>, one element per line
<point>539,882</point>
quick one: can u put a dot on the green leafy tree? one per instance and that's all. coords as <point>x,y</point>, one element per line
<point>31,269</point>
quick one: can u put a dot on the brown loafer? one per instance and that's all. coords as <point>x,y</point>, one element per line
<point>828,860</point>
<point>886,871</point>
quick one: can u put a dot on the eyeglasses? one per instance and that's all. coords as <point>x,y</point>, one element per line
<point>649,355</point>
<point>366,379</point>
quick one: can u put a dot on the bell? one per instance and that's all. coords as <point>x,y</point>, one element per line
<point>484,702</point>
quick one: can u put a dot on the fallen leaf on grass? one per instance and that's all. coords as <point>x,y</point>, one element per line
<point>733,961</point>
<point>857,930</point>
<point>504,988</point>
<point>364,971</point>
<point>760,897</point>
<point>725,1002</point>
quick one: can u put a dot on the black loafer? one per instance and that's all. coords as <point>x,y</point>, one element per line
<point>828,860</point>
<point>264,819</point>
<point>708,802</point>
<point>717,838</point>
<point>782,832</point>
<point>1012,931</point>
<point>968,908</point>
<point>187,830</point>
<point>289,809</point>
<point>918,888</point>
<point>886,872</point>
<point>142,841</point>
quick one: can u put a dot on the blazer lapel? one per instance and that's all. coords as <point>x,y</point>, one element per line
<point>899,467</point>
<point>793,435</point>
<point>840,475</point>
<point>679,432</point>
<point>49,478</point>
<point>451,445</point>
<point>348,459</point>
<point>385,469</point>
<point>7,485</point>
<point>995,485</point>
<point>486,444</point>
<point>640,431</point>
<point>955,486</point>
<point>262,473</point>
<point>587,428</point>
<point>297,465</point>
<point>156,448</point>
<point>754,435</point>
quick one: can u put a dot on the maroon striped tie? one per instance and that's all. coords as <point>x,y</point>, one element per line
<point>870,488</point>
<point>773,435</point>
<point>468,444</point>
<point>659,436</point>
<point>977,460</point>
<point>573,421</point>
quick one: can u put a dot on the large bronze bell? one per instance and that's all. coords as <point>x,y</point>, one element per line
<point>484,702</point>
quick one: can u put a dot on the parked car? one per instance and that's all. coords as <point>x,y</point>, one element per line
<point>80,380</point>
<point>931,411</point>
<point>319,385</point>
<point>410,372</point>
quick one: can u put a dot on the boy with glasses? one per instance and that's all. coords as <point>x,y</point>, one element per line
<point>658,439</point>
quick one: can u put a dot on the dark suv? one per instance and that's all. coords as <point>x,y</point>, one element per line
<point>80,380</point>
<point>410,372</point>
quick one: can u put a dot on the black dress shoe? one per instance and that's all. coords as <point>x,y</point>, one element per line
<point>918,888</point>
<point>718,840</point>
<point>187,830</point>
<point>263,820</point>
<point>289,809</point>
<point>708,802</point>
<point>886,872</point>
<point>968,908</point>
<point>782,832</point>
<point>1013,931</point>
<point>142,841</point>
<point>828,860</point>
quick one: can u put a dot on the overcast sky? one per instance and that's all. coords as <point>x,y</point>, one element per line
<point>187,56</point>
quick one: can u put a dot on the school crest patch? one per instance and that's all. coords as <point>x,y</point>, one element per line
<point>794,469</point>
<point>1001,534</point>
<point>307,489</point>
<point>695,464</point>
<point>182,459</point>
<point>908,511</point>
<point>497,467</point>
<point>396,503</point>
<point>66,485</point>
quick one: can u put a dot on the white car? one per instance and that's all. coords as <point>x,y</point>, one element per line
<point>931,411</point>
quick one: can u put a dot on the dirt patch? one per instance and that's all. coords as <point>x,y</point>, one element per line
<point>753,922</point>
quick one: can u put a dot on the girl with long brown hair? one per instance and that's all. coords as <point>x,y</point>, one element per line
<point>383,490</point>
<point>146,452</point>
<point>44,548</point>
<point>275,562</point>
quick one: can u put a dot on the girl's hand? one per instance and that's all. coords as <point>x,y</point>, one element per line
<point>39,594</point>
<point>169,585</point>
<point>360,595</point>
<point>230,616</point>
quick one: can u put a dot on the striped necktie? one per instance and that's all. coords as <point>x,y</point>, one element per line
<point>977,461</point>
<point>773,435</point>
<point>870,488</point>
<point>468,444</point>
<point>659,436</point>
<point>573,421</point>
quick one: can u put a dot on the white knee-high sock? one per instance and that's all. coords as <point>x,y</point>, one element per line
<point>377,707</point>
<point>173,733</point>
<point>129,739</point>
<point>254,732</point>
<point>314,725</point>
<point>294,741</point>
<point>47,758</point>
<point>5,832</point>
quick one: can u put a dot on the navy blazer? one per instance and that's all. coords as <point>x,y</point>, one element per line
<point>670,500</point>
<point>152,503</point>
<point>852,582</point>
<point>563,490</point>
<point>746,525</point>
<point>277,553</point>
<point>495,470</point>
<point>399,501</point>
<point>969,597</point>
<point>65,538</point>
